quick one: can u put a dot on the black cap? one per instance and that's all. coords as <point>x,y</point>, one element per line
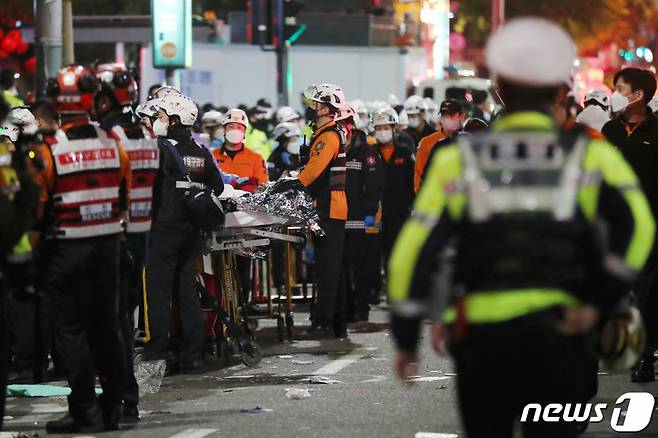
<point>451,106</point>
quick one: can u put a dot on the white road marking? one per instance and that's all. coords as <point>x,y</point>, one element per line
<point>48,408</point>
<point>337,365</point>
<point>194,433</point>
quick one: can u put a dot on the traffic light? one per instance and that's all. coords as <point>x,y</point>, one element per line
<point>264,16</point>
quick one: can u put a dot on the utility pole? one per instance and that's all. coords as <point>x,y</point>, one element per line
<point>68,55</point>
<point>48,40</point>
<point>281,51</point>
<point>497,14</point>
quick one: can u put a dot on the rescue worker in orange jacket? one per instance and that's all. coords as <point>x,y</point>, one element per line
<point>234,158</point>
<point>324,178</point>
<point>87,177</point>
<point>118,91</point>
<point>452,119</point>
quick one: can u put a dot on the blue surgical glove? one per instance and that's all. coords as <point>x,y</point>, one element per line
<point>287,160</point>
<point>369,221</point>
<point>242,180</point>
<point>228,178</point>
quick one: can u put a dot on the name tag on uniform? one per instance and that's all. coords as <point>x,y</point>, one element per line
<point>140,209</point>
<point>96,211</point>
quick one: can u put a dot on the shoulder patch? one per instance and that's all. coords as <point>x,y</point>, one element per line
<point>371,160</point>
<point>317,149</point>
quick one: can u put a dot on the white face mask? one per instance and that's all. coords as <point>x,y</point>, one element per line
<point>234,136</point>
<point>385,136</point>
<point>160,128</point>
<point>593,116</point>
<point>294,144</point>
<point>619,102</point>
<point>414,122</point>
<point>451,125</point>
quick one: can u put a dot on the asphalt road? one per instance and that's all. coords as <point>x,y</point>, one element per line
<point>366,400</point>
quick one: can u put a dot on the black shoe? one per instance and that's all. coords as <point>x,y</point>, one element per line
<point>318,332</point>
<point>643,372</point>
<point>68,424</point>
<point>130,415</point>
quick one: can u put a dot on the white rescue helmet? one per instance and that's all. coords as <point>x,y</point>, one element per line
<point>531,51</point>
<point>287,130</point>
<point>622,341</point>
<point>387,116</point>
<point>346,112</point>
<point>212,118</point>
<point>653,104</point>
<point>165,90</point>
<point>286,114</point>
<point>148,108</point>
<point>181,106</point>
<point>20,120</point>
<point>403,118</point>
<point>414,105</point>
<point>236,115</point>
<point>328,94</point>
<point>599,96</point>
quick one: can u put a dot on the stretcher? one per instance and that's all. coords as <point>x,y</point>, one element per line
<point>248,234</point>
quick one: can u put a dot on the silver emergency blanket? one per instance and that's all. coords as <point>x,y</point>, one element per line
<point>291,207</point>
<point>149,375</point>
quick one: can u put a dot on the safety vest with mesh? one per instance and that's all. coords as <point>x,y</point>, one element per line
<point>142,149</point>
<point>526,203</point>
<point>87,181</point>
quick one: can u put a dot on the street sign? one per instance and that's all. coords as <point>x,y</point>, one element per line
<point>172,33</point>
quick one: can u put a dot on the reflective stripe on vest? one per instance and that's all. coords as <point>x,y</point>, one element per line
<point>86,192</point>
<point>144,158</point>
<point>492,307</point>
<point>337,171</point>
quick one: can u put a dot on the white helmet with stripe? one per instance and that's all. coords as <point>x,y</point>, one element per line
<point>286,114</point>
<point>20,120</point>
<point>329,94</point>
<point>181,106</point>
<point>236,115</point>
<point>387,116</point>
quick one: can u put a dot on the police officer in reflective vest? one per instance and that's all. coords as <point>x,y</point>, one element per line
<point>87,176</point>
<point>531,273</point>
<point>324,177</point>
<point>118,91</point>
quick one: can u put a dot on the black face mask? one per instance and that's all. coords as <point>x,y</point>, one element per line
<point>311,114</point>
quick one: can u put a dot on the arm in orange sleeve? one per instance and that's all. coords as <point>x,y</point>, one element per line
<point>329,146</point>
<point>421,161</point>
<point>126,178</point>
<point>46,178</point>
<point>260,171</point>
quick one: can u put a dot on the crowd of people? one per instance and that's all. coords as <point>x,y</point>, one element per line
<point>99,193</point>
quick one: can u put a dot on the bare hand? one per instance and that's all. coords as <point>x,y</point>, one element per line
<point>578,320</point>
<point>406,365</point>
<point>439,339</point>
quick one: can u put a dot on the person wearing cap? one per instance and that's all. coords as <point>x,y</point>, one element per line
<point>288,140</point>
<point>398,195</point>
<point>452,120</point>
<point>597,110</point>
<point>212,128</point>
<point>175,241</point>
<point>363,188</point>
<point>257,134</point>
<point>416,110</point>
<point>507,267</point>
<point>86,180</point>
<point>634,130</point>
<point>323,176</point>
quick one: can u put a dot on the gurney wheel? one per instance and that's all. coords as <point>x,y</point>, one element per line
<point>251,354</point>
<point>290,323</point>
<point>280,327</point>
